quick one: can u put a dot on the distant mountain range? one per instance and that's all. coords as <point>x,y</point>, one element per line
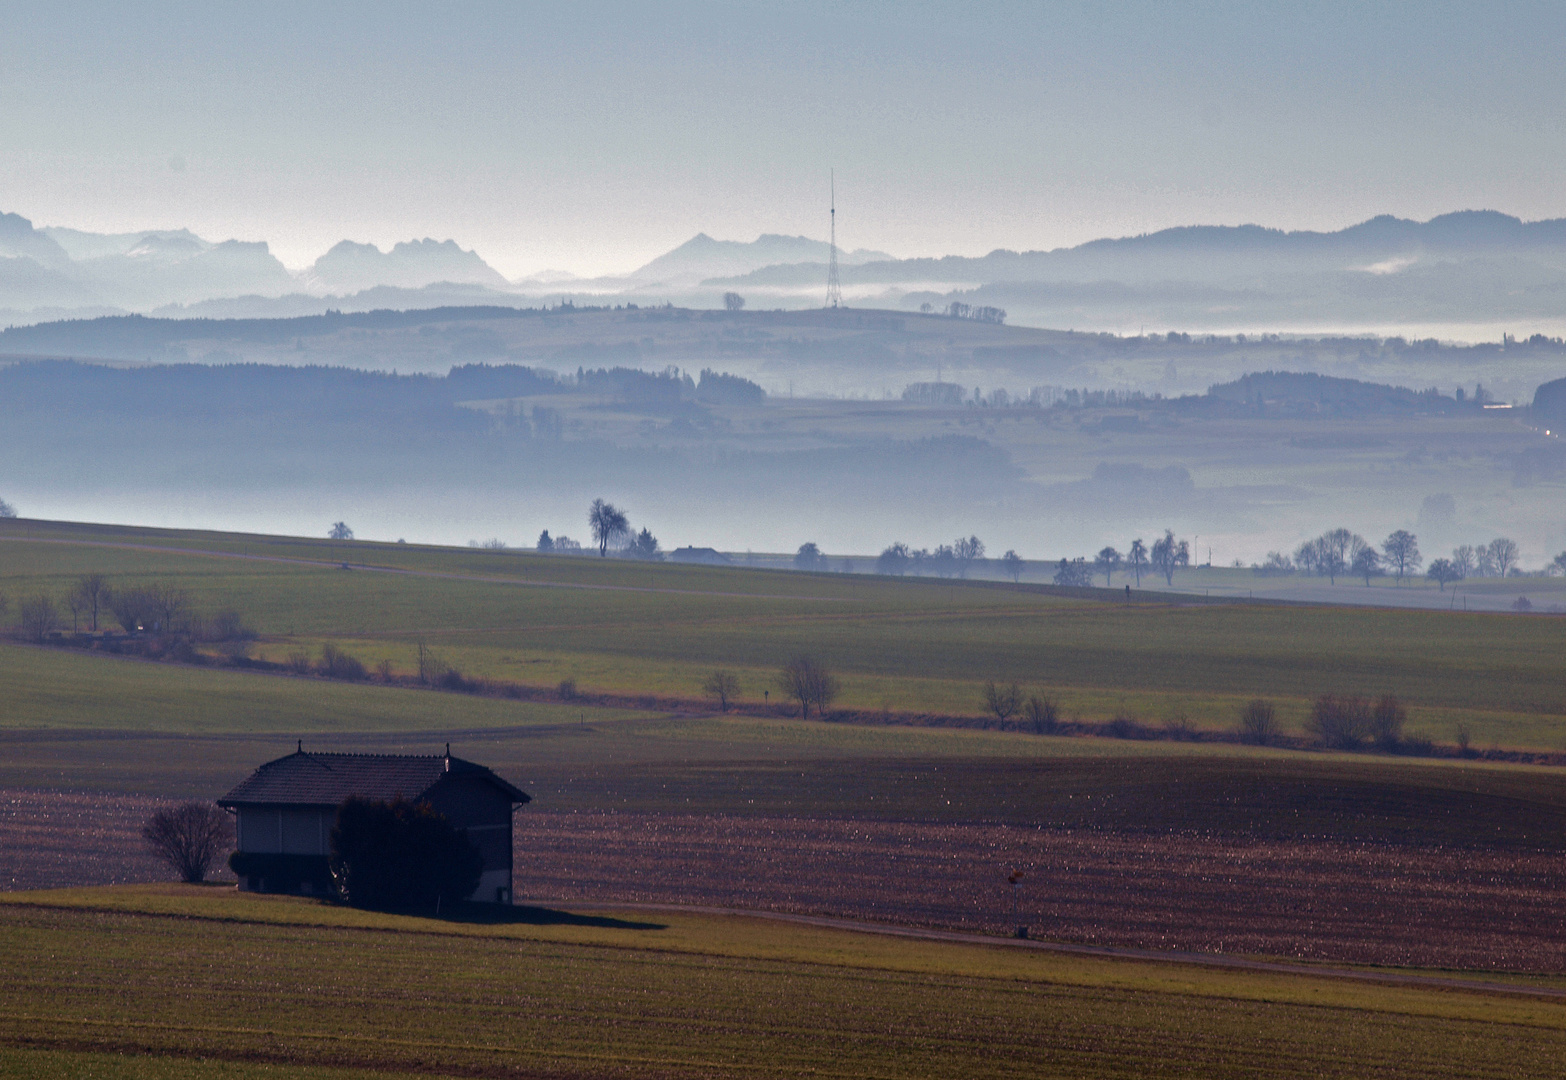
<point>1461,268</point>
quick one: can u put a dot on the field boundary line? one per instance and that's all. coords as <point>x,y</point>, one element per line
<point>436,574</point>
<point>344,1037</point>
<point>1115,952</point>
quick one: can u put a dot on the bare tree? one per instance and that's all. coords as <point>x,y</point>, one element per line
<point>1463,560</point>
<point>807,682</point>
<point>1503,553</point>
<point>39,617</point>
<point>1402,551</point>
<point>608,524</point>
<point>1107,560</point>
<point>74,604</point>
<point>967,552</point>
<point>93,592</point>
<point>1556,565</point>
<point>1041,715</point>
<point>169,603</point>
<point>1366,563</point>
<point>1168,554</point>
<point>733,301</point>
<point>1003,701</point>
<point>188,837</point>
<point>340,531</point>
<point>724,686</point>
<point>1012,563</point>
<point>7,510</point>
<point>1443,572</point>
<point>1136,558</point>
<point>1257,722</point>
<point>894,560</point>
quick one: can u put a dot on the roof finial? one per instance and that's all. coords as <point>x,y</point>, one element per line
<point>301,746</point>
<point>448,749</point>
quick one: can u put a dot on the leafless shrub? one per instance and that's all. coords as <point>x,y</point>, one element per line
<point>40,617</point>
<point>808,682</point>
<point>1258,722</point>
<point>299,662</point>
<point>227,625</point>
<point>1340,721</point>
<point>1179,728</point>
<point>1003,701</point>
<point>1125,726</point>
<point>188,837</point>
<point>336,664</point>
<point>1041,715</point>
<point>1386,722</point>
<point>567,689</point>
<point>1465,739</point>
<point>723,685</point>
<point>383,670</point>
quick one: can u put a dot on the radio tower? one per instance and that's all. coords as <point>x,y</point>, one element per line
<point>834,290</point>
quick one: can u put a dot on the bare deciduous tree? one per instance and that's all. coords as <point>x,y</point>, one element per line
<point>807,682</point>
<point>1012,563</point>
<point>1003,701</point>
<point>340,531</point>
<point>188,837</point>
<point>1257,722</point>
<point>7,510</point>
<point>39,617</point>
<point>1366,563</point>
<point>1443,572</point>
<point>608,524</point>
<point>1107,560</point>
<point>967,552</point>
<point>1402,551</point>
<point>92,590</point>
<point>1503,553</point>
<point>733,301</point>
<point>1169,554</point>
<point>1041,715</point>
<point>1136,558</point>
<point>723,685</point>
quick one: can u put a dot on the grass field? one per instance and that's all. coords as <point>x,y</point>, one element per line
<point>900,646</point>
<point>274,987</point>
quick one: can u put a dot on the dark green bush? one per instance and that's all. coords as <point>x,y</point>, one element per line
<point>401,856</point>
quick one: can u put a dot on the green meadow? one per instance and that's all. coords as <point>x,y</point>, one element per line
<point>898,646</point>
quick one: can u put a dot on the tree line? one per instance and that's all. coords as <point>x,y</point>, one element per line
<point>157,607</point>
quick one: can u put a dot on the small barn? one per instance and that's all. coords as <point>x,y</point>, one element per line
<point>283,813</point>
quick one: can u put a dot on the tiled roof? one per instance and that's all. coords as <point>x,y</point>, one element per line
<point>328,779</point>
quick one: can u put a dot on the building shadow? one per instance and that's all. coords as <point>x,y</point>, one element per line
<point>524,915</point>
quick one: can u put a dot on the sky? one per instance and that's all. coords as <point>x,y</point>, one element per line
<point>591,137</point>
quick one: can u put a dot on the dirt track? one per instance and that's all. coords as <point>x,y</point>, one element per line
<point>1321,901</point>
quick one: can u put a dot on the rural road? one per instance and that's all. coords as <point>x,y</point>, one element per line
<point>1217,960</point>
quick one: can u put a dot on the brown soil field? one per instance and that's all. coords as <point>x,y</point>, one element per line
<point>1329,901</point>
<point>1341,902</point>
<point>57,839</point>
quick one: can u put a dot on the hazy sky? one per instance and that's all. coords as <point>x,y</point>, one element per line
<point>591,137</point>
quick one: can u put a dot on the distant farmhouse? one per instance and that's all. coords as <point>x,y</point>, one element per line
<point>285,810</point>
<point>707,555</point>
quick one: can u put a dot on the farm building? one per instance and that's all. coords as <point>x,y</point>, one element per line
<point>284,813</point>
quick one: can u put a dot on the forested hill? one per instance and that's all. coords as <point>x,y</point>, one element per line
<point>127,336</point>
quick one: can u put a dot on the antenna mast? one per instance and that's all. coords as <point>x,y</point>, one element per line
<point>834,290</point>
